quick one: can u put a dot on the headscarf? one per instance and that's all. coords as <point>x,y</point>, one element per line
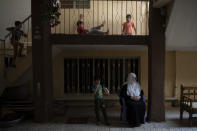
<point>133,87</point>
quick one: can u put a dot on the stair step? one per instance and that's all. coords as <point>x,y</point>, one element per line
<point>22,65</point>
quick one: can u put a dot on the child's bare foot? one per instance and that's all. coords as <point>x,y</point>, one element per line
<point>107,32</point>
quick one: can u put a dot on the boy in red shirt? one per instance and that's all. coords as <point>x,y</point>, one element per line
<point>93,31</point>
<point>80,28</point>
<point>128,26</point>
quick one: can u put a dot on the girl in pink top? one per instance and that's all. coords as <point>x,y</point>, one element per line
<point>128,26</point>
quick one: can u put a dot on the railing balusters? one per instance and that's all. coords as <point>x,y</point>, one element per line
<point>27,36</point>
<point>107,16</point>
<point>112,17</point>
<point>146,19</point>
<point>97,12</point>
<point>84,12</point>
<point>136,19</point>
<point>141,20</point>
<point>12,51</point>
<point>113,12</point>
<point>7,48</point>
<point>55,29</point>
<point>121,17</point>
<point>59,29</point>
<point>69,19</point>
<point>111,71</point>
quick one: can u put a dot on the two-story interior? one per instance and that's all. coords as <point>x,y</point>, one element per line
<point>60,64</point>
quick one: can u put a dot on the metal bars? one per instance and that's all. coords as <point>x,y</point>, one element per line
<point>79,73</point>
<point>112,11</point>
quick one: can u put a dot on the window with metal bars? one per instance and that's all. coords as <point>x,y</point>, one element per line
<point>79,73</point>
<point>72,4</point>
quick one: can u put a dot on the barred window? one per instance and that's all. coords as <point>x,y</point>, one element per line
<point>79,73</point>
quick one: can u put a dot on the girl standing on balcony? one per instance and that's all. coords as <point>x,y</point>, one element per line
<point>128,26</point>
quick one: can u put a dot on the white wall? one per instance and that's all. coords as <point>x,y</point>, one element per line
<point>11,10</point>
<point>181,33</point>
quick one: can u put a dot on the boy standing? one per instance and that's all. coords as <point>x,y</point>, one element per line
<point>98,100</point>
<point>15,40</point>
<point>128,26</point>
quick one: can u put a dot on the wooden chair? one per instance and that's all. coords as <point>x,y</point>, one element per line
<point>188,101</point>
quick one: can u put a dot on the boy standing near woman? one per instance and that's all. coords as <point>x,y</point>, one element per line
<point>98,101</point>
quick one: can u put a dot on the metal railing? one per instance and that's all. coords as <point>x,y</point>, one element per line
<point>94,12</point>
<point>79,73</point>
<point>2,53</point>
<point>26,27</point>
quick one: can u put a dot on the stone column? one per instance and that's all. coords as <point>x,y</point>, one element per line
<point>42,63</point>
<point>156,56</point>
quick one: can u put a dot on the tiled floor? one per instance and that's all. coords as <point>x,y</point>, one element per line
<point>172,122</point>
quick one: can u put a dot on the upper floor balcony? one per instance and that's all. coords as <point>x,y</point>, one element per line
<point>94,12</point>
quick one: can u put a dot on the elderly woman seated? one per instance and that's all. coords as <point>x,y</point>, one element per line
<point>132,101</point>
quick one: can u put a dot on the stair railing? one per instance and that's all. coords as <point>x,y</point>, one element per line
<point>2,56</point>
<point>7,51</point>
<point>26,27</point>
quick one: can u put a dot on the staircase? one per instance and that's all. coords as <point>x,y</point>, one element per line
<point>9,76</point>
<point>22,65</point>
<point>22,74</point>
